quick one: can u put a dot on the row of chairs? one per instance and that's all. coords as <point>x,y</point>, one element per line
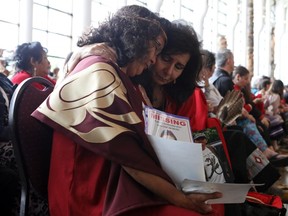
<point>31,139</point>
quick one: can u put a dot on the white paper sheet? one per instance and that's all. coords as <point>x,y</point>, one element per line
<point>180,160</point>
<point>232,193</point>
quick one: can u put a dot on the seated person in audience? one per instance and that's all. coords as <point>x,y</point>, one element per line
<point>274,99</point>
<point>285,96</point>
<point>31,60</point>
<point>9,180</point>
<point>222,80</point>
<point>6,91</point>
<point>241,79</point>
<point>177,67</point>
<point>239,145</point>
<point>102,162</point>
<point>37,205</point>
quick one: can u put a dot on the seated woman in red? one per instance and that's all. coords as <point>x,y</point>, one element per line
<point>102,162</point>
<point>31,60</point>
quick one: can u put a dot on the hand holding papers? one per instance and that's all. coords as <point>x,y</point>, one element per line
<point>232,193</point>
<point>182,159</point>
<point>179,159</point>
<point>179,162</point>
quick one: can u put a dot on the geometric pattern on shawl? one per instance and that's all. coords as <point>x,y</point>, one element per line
<point>97,113</point>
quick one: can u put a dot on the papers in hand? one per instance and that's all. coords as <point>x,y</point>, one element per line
<point>232,193</point>
<point>170,135</point>
<point>180,160</point>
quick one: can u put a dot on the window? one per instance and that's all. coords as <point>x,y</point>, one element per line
<point>100,10</point>
<point>9,24</point>
<point>52,27</point>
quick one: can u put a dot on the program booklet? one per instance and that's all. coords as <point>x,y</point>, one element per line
<point>182,159</point>
<point>171,138</point>
<point>165,125</point>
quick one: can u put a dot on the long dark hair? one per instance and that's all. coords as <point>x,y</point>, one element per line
<point>181,39</point>
<point>278,88</point>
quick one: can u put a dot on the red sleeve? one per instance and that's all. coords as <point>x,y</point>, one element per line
<point>195,108</point>
<point>248,107</point>
<point>19,77</point>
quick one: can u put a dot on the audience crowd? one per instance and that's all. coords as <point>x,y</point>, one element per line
<point>100,151</point>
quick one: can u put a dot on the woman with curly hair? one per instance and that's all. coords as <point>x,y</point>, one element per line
<point>102,162</point>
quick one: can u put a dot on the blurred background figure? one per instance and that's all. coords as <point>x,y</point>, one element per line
<point>30,60</point>
<point>54,74</point>
<point>222,42</point>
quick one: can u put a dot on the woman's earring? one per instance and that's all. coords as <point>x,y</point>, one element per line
<point>174,81</point>
<point>35,69</point>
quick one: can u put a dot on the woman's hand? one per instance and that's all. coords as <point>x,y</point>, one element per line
<point>198,201</point>
<point>166,190</point>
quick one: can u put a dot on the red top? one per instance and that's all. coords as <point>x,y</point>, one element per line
<point>20,76</point>
<point>94,137</point>
<point>196,109</point>
<point>23,75</point>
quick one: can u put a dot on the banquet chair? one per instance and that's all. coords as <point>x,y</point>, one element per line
<point>31,139</point>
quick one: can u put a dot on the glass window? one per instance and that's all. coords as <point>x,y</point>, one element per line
<point>137,2</point>
<point>100,10</point>
<point>222,17</point>
<point>9,24</point>
<point>52,26</point>
<point>40,17</point>
<point>43,2</point>
<point>62,5</point>
<point>59,22</point>
<point>9,37</point>
<point>10,11</point>
<point>41,36</point>
<point>187,14</point>
<point>58,45</point>
<point>166,11</point>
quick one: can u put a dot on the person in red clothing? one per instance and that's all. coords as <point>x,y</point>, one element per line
<point>102,162</point>
<point>31,60</point>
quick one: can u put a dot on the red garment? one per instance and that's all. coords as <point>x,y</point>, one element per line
<point>94,136</point>
<point>247,106</point>
<point>20,76</point>
<point>196,109</point>
<point>51,80</point>
<point>23,75</point>
<point>259,105</point>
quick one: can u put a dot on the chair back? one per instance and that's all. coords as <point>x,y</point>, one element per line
<point>31,139</point>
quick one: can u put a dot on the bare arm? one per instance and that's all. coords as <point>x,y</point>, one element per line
<point>169,192</point>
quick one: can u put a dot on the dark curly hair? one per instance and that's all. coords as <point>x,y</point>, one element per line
<point>181,39</point>
<point>128,31</point>
<point>25,52</point>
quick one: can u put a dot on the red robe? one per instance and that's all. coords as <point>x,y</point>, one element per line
<point>196,109</point>
<point>97,117</point>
